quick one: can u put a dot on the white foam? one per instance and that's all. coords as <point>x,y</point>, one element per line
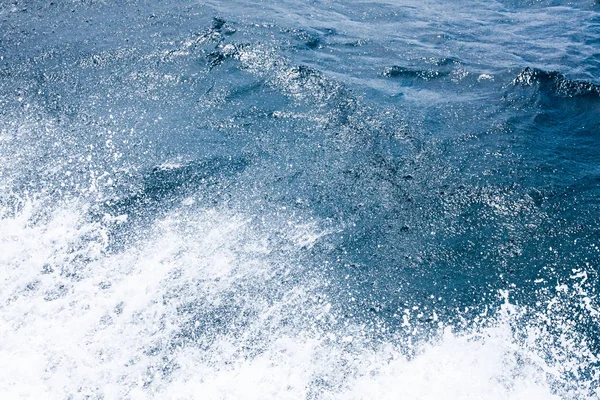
<point>78,320</point>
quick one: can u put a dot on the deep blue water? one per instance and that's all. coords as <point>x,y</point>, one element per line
<point>246,199</point>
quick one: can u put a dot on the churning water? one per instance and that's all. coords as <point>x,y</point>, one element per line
<point>299,199</point>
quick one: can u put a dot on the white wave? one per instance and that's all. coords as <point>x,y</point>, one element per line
<point>204,306</point>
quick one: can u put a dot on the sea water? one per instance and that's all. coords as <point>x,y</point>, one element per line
<point>299,199</point>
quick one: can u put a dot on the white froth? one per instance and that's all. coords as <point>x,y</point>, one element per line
<point>75,317</point>
<point>78,320</point>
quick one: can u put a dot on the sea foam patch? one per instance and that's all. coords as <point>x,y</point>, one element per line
<point>204,307</point>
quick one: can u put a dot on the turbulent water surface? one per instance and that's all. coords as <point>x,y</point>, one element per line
<point>299,199</point>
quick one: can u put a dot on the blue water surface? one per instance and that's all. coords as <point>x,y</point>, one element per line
<point>446,151</point>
